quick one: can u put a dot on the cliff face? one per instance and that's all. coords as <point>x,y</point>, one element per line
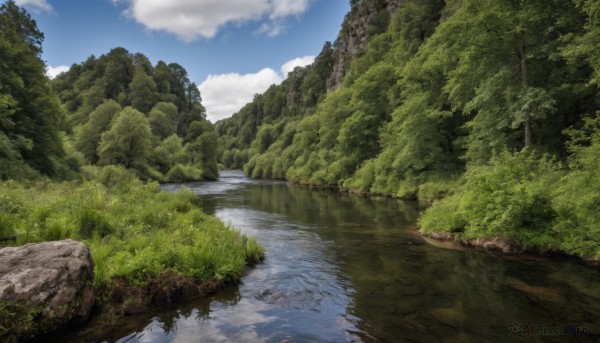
<point>360,25</point>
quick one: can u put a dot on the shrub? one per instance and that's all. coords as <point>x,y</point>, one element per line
<point>443,216</point>
<point>511,197</point>
<point>91,222</point>
<point>7,226</point>
<point>110,176</point>
<point>183,173</point>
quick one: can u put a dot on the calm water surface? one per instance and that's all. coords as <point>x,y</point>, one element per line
<point>342,268</point>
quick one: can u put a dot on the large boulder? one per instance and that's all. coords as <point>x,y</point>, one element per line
<point>44,286</point>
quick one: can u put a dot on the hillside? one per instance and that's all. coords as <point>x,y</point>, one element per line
<point>490,102</point>
<point>163,133</point>
<point>116,109</point>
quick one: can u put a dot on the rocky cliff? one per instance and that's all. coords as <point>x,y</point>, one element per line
<point>366,19</point>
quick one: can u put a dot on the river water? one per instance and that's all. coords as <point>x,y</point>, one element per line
<point>344,268</point>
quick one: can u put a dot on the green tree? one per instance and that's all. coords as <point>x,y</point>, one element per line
<point>168,153</point>
<point>88,135</point>
<point>12,164</point>
<point>163,119</point>
<point>186,118</point>
<point>128,142</point>
<point>586,46</point>
<point>141,61</point>
<point>143,91</point>
<point>507,49</point>
<point>118,73</point>
<point>32,114</point>
<point>197,128</point>
<point>202,152</point>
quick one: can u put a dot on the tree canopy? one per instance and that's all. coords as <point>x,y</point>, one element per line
<point>486,100</point>
<point>30,113</point>
<point>164,100</point>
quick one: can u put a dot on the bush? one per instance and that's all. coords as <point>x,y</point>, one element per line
<point>7,226</point>
<point>183,173</point>
<point>578,198</point>
<point>110,176</point>
<point>437,188</point>
<point>443,216</point>
<point>511,198</point>
<point>91,222</point>
<point>511,195</point>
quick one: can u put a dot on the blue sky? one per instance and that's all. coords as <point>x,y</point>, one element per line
<point>232,49</point>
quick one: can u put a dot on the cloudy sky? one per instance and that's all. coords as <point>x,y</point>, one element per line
<point>232,49</point>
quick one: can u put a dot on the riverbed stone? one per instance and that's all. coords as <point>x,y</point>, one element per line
<point>450,316</point>
<point>44,286</point>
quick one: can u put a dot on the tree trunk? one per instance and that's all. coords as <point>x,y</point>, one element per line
<point>524,83</point>
<point>527,131</point>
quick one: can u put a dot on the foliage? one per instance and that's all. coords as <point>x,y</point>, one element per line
<point>88,135</point>
<point>101,94</point>
<point>517,197</point>
<point>511,197</point>
<point>183,173</point>
<point>127,142</point>
<point>443,216</point>
<point>579,193</point>
<point>30,113</point>
<point>18,319</point>
<point>485,104</point>
<point>134,231</point>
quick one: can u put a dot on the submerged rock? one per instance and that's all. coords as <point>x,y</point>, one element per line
<point>450,316</point>
<point>495,244</point>
<point>537,292</point>
<point>44,286</point>
<point>498,243</point>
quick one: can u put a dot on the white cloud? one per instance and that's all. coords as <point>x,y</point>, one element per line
<point>225,94</point>
<point>284,8</point>
<point>190,20</point>
<point>296,62</point>
<point>53,72</point>
<point>271,29</point>
<point>35,5</point>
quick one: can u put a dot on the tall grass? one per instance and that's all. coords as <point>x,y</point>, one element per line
<point>134,231</point>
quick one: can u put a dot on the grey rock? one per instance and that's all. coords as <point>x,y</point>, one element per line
<point>55,278</point>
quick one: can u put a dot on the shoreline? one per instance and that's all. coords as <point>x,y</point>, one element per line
<point>448,240</point>
<point>499,245</point>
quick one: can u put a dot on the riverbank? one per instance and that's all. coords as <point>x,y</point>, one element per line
<point>148,246</point>
<point>498,244</point>
<point>345,267</point>
<point>521,202</point>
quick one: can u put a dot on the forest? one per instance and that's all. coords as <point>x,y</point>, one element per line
<point>488,111</point>
<point>116,109</point>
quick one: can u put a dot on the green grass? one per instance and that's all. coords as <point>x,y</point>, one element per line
<point>134,230</point>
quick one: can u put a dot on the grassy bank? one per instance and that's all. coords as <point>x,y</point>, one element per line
<point>531,199</point>
<point>148,245</point>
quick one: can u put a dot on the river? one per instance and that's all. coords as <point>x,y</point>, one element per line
<point>344,268</point>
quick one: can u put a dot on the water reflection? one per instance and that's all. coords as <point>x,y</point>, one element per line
<point>342,268</point>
